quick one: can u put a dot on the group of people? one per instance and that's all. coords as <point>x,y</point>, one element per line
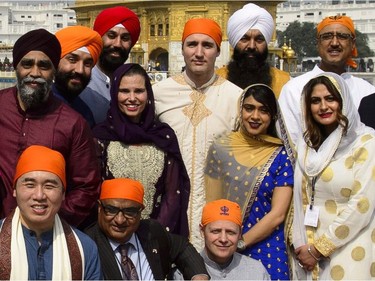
<point>238,173</point>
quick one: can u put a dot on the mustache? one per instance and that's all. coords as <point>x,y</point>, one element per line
<point>34,80</point>
<point>121,51</point>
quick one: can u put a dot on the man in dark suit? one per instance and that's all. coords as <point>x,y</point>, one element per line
<point>151,249</point>
<point>366,110</point>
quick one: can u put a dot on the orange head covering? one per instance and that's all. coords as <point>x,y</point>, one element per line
<point>74,37</point>
<point>221,210</point>
<point>345,21</point>
<point>204,26</point>
<point>41,158</point>
<point>122,188</point>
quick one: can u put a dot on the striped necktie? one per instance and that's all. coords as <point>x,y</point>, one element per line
<point>130,273</point>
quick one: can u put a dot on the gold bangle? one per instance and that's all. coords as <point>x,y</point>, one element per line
<point>310,252</point>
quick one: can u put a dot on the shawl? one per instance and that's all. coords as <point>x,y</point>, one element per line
<point>64,244</point>
<point>253,152</point>
<point>311,162</point>
<point>118,127</point>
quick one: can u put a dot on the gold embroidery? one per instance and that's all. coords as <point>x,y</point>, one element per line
<point>144,163</point>
<point>196,111</point>
<point>324,246</point>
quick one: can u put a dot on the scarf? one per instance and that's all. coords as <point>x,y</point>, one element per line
<point>118,127</point>
<point>311,163</point>
<point>67,251</point>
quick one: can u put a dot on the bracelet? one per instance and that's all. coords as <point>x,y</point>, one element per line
<point>310,252</point>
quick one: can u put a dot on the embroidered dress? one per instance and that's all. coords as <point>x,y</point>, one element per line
<point>147,151</point>
<point>248,170</point>
<point>344,170</point>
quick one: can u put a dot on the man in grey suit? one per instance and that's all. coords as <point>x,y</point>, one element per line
<point>151,249</point>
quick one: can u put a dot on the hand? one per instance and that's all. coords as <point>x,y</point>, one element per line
<point>305,258</point>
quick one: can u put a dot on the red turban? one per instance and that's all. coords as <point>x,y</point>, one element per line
<point>108,18</point>
<point>221,210</point>
<point>37,40</point>
<point>41,158</point>
<point>345,21</point>
<point>122,188</point>
<point>74,37</point>
<point>204,26</point>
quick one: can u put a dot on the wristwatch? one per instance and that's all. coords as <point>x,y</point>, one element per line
<point>241,245</point>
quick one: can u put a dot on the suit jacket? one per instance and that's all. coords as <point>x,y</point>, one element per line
<point>161,248</point>
<point>366,110</point>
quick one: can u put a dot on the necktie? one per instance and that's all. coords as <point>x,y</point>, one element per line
<point>127,265</point>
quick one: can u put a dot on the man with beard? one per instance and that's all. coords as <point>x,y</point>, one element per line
<point>250,31</point>
<point>119,28</point>
<point>80,49</point>
<point>30,114</point>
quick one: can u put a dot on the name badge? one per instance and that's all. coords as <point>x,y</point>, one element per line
<point>312,216</point>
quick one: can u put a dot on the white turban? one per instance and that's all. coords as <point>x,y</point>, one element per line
<point>250,16</point>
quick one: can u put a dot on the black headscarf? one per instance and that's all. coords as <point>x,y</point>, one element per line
<point>118,126</point>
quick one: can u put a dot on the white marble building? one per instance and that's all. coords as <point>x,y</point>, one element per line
<point>361,11</point>
<point>18,17</point>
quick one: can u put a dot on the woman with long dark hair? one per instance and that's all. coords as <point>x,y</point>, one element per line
<point>334,195</point>
<point>135,145</point>
<point>251,167</point>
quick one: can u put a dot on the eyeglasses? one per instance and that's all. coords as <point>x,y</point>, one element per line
<point>340,36</point>
<point>112,211</point>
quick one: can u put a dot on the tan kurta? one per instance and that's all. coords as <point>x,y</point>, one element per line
<point>198,116</point>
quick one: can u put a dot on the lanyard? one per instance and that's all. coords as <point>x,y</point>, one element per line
<point>313,181</point>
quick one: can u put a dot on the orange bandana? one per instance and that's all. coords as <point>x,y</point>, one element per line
<point>204,26</point>
<point>122,188</point>
<point>41,158</point>
<point>221,210</point>
<point>345,21</point>
<point>74,37</point>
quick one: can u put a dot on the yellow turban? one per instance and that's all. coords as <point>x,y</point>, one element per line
<point>75,37</point>
<point>122,188</point>
<point>221,210</point>
<point>204,26</point>
<point>41,158</point>
<point>345,21</point>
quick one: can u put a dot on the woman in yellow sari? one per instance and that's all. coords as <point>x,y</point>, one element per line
<point>251,167</point>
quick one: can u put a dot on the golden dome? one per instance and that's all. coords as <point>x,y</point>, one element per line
<point>290,53</point>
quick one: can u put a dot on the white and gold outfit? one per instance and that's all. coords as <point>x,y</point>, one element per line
<point>198,116</point>
<point>343,169</point>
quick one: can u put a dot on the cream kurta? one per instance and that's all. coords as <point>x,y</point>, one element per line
<point>344,169</point>
<point>198,116</point>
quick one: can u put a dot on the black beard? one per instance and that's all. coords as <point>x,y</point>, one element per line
<point>245,71</point>
<point>70,93</point>
<point>33,98</point>
<point>109,63</point>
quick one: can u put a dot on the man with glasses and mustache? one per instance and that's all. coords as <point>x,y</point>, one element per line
<point>119,28</point>
<point>250,31</point>
<point>336,47</point>
<point>30,114</point>
<point>80,50</point>
<point>135,249</point>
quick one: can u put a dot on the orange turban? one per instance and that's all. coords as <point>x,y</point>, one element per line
<point>74,37</point>
<point>204,26</point>
<point>221,210</point>
<point>345,21</point>
<point>41,158</point>
<point>122,188</point>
